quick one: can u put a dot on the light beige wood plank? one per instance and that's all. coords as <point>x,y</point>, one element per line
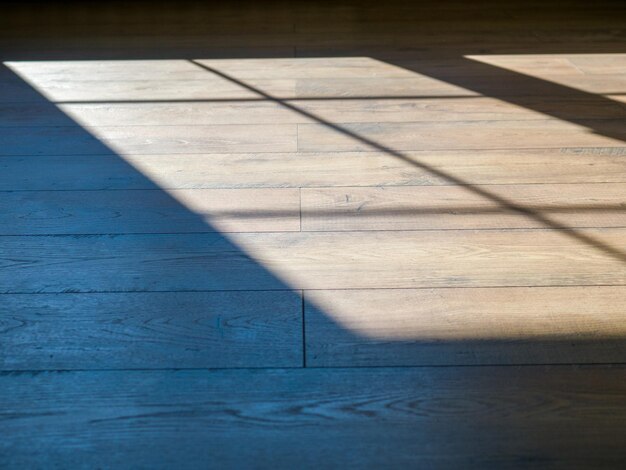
<point>151,330</point>
<point>149,211</point>
<point>314,260</point>
<point>122,140</point>
<point>420,85</point>
<point>92,84</point>
<point>107,70</point>
<point>43,90</point>
<point>593,84</point>
<point>543,65</point>
<point>148,114</point>
<point>600,63</point>
<point>154,89</point>
<point>524,66</point>
<point>461,207</point>
<point>566,165</point>
<point>338,260</point>
<point>408,327</point>
<point>302,67</point>
<point>334,110</point>
<point>122,80</point>
<point>459,109</point>
<point>531,64</point>
<point>414,85</point>
<point>459,135</point>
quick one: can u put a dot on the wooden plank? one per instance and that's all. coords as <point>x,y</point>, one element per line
<point>336,110</point>
<point>557,417</point>
<point>75,140</point>
<point>148,114</point>
<point>420,85</point>
<point>515,325</point>
<point>414,85</point>
<point>149,211</point>
<point>313,260</point>
<point>151,330</point>
<point>108,70</point>
<point>544,65</point>
<point>600,63</point>
<point>303,67</point>
<point>461,207</point>
<point>444,64</point>
<point>206,86</point>
<point>95,80</point>
<point>535,65</point>
<point>85,172</point>
<point>458,135</point>
<point>458,109</point>
<point>45,91</point>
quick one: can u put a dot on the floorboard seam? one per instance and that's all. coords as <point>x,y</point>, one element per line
<point>618,365</point>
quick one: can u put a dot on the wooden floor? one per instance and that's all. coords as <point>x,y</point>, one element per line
<point>313,235</point>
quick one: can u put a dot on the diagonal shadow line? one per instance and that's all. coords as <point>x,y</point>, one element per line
<point>487,80</point>
<point>503,202</point>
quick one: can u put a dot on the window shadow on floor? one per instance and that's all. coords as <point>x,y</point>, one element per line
<point>185,296</point>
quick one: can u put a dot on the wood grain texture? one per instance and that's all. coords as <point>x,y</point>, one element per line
<point>308,68</point>
<point>313,260</point>
<point>108,127</point>
<point>552,417</point>
<point>75,140</point>
<point>459,207</point>
<point>62,90</point>
<point>85,172</point>
<point>333,109</point>
<point>458,135</point>
<point>419,84</point>
<point>149,211</point>
<point>151,331</point>
<point>529,325</point>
